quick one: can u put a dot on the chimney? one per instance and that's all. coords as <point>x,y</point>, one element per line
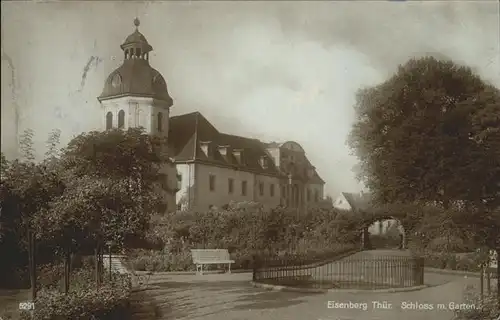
<point>238,154</point>
<point>205,147</point>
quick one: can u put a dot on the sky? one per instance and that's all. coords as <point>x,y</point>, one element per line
<point>275,71</point>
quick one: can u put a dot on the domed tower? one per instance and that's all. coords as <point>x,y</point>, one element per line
<point>135,94</point>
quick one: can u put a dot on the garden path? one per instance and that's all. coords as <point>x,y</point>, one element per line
<point>231,297</point>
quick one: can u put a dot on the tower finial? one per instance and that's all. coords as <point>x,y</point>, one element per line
<point>137,23</point>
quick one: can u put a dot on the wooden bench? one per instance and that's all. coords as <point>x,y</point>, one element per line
<point>203,257</point>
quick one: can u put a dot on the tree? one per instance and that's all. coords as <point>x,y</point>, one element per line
<point>52,144</point>
<point>25,189</point>
<point>114,182</point>
<point>431,134</point>
<point>26,144</point>
<point>413,135</point>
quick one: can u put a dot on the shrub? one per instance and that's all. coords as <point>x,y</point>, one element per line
<point>84,301</point>
<point>486,310</point>
<point>158,261</point>
<point>448,244</point>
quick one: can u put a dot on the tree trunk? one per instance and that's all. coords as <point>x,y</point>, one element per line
<point>96,264</point>
<point>498,277</point>
<point>67,269</point>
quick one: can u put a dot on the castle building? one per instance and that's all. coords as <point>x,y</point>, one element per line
<point>210,168</point>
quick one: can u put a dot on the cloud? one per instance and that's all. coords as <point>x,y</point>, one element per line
<point>270,70</point>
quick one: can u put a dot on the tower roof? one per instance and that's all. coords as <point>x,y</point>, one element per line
<point>135,77</point>
<point>137,39</point>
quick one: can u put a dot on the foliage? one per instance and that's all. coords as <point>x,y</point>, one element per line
<point>53,143</point>
<point>3,164</point>
<point>485,310</point>
<point>448,244</point>
<point>111,180</point>
<point>245,230</point>
<point>27,145</point>
<point>117,154</point>
<point>85,301</point>
<point>102,186</point>
<point>25,189</point>
<point>413,135</point>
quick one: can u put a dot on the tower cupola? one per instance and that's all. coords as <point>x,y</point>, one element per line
<point>136,46</point>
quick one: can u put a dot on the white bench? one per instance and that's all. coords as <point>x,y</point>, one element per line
<point>203,257</point>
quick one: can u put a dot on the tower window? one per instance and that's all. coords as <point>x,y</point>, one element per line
<point>121,119</point>
<point>109,120</point>
<point>160,121</point>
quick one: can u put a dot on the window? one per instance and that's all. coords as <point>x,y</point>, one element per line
<point>316,196</point>
<point>308,195</point>
<point>230,185</point>
<point>109,120</point>
<point>283,191</point>
<point>243,188</point>
<point>179,181</point>
<point>211,182</point>
<point>159,120</point>
<point>121,119</point>
<point>271,190</point>
<point>261,188</point>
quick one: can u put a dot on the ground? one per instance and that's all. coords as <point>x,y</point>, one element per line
<point>231,297</point>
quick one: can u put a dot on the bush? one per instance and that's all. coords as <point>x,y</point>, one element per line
<point>445,244</point>
<point>84,301</point>
<point>486,310</point>
<point>244,229</point>
<point>159,261</point>
<point>469,262</point>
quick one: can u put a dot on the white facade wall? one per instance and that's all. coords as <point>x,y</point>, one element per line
<point>195,187</point>
<point>268,200</point>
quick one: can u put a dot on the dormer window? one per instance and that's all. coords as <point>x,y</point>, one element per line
<point>223,150</point>
<point>116,80</point>
<point>264,162</point>
<point>238,154</point>
<point>205,147</point>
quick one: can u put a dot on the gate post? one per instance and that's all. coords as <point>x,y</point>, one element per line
<point>365,239</point>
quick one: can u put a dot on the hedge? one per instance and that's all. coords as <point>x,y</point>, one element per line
<point>245,232</point>
<point>85,301</point>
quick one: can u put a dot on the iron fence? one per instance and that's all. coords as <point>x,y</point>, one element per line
<point>343,273</point>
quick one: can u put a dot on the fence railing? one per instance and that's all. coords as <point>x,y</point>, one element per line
<point>349,272</point>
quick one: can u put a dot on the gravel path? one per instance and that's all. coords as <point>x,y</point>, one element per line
<point>231,297</point>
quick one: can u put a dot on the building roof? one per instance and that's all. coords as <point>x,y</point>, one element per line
<point>296,147</point>
<point>189,131</point>
<point>135,77</point>
<point>357,201</point>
